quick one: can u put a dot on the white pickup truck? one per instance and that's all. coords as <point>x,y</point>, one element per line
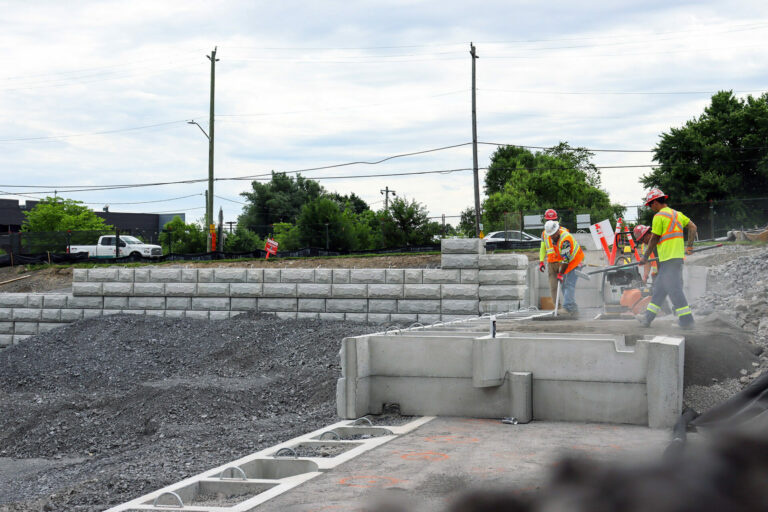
<point>129,246</point>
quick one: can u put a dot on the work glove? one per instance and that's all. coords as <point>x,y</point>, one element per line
<point>560,276</point>
<point>541,266</point>
<point>689,250</point>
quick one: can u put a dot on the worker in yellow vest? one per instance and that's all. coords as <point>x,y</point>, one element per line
<point>548,252</point>
<point>571,256</point>
<point>667,237</point>
<point>642,234</point>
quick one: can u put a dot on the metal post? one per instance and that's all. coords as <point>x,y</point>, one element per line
<point>712,217</point>
<point>326,236</point>
<point>474,143</point>
<point>117,243</point>
<point>506,238</point>
<point>443,225</point>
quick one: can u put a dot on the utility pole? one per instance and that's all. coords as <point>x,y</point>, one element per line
<point>474,143</point>
<point>231,223</point>
<point>386,193</point>
<point>326,236</point>
<point>209,203</point>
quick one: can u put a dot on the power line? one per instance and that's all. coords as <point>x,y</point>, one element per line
<point>104,132</point>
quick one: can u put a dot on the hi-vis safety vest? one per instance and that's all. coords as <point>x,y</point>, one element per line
<point>570,251</point>
<point>654,264</point>
<point>551,250</point>
<point>671,243</point>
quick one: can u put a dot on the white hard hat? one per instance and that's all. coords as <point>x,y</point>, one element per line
<point>551,227</point>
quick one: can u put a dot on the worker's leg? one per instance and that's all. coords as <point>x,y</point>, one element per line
<point>676,294</point>
<point>569,292</point>
<point>552,269</point>
<point>660,290</point>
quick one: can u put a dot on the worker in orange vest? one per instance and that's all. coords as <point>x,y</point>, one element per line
<point>571,256</point>
<point>667,236</point>
<point>642,234</point>
<point>548,252</point>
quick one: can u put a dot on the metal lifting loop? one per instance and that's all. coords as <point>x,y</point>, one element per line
<point>233,469</point>
<point>415,324</point>
<point>289,451</point>
<point>180,505</point>
<point>360,420</point>
<point>332,432</point>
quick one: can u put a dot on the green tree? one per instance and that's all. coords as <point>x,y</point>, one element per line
<point>279,200</point>
<point>59,214</point>
<point>182,238</point>
<point>351,201</point>
<point>322,223</point>
<point>286,235</point>
<point>242,240</point>
<point>405,223</point>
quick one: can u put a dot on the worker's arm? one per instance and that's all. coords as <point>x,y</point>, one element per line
<point>646,271</point>
<point>542,251</point>
<point>691,237</point>
<point>651,246</point>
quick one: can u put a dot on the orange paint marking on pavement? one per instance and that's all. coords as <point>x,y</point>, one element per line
<point>452,439</point>
<point>424,456</point>
<point>367,481</point>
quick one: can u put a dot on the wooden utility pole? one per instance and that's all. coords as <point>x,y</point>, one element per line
<point>209,203</point>
<point>386,193</point>
<point>474,143</point>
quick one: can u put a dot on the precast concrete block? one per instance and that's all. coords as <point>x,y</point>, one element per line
<point>312,305</point>
<point>418,306</point>
<point>349,291</point>
<point>25,327</point>
<point>385,291</point>
<point>146,302</point>
<point>229,275</point>
<point>331,317</point>
<point>246,304</point>
<point>297,275</point>
<point>219,315</point>
<point>459,291</point>
<point>441,276</point>
<point>499,306</point>
<point>155,312</point>
<point>6,327</point>
<point>428,319</point>
<point>382,306</point>
<point>460,307</point>
<point>394,276</point>
<point>501,292</point>
<point>367,275</point>
<point>115,289</point>
<point>89,313</point>
<point>421,291</point>
<point>13,300</point>
<point>199,315</point>
<point>211,303</point>
<point>126,275</point>
<point>254,275</point>
<point>35,301</point>
<point>85,302</point>
<point>459,260</point>
<point>108,312</point>
<point>178,303</point>
<point>137,312</point>
<point>54,301</point>
<point>503,262</point>
<point>141,275</point>
<point>340,276</point>
<point>664,380</point>
<point>453,318</point>
<point>313,291</point>
<point>212,290</point>
<point>148,289</point>
<point>164,275</point>
<point>87,289</point>
<point>189,275</point>
<point>180,289</point>
<point>268,305</point>
<point>79,275</point>
<point>245,289</point>
<point>356,317</point>
<point>174,313</point>
<point>47,327</point>
<point>469,275</point>
<point>6,314</point>
<point>6,340</point>
<point>279,290</point>
<point>521,392</point>
<point>413,276</point>
<point>205,275</point>
<point>304,315</point>
<point>503,276</point>
<point>50,315</point>
<point>26,315</point>
<point>115,302</point>
<point>271,275</point>
<point>286,315</point>
<point>378,318</point>
<point>102,274</point>
<point>403,318</point>
<point>346,305</point>
<point>462,246</point>
<point>18,338</point>
<point>324,276</point>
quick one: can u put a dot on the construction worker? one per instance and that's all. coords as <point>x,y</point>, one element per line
<point>642,234</point>
<point>667,236</point>
<point>549,251</point>
<point>571,256</point>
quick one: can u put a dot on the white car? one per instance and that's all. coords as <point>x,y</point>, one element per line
<point>514,240</point>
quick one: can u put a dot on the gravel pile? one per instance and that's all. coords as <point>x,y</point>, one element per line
<point>108,409</point>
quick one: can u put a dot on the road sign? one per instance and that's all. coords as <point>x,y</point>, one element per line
<point>270,246</point>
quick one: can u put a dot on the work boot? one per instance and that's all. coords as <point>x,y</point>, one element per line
<point>688,326</point>
<point>643,319</point>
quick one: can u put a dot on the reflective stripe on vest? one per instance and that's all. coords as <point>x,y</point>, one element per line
<point>553,254</point>
<point>576,255</point>
<point>654,264</point>
<point>674,228</point>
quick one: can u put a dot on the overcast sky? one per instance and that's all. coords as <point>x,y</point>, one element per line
<point>97,93</point>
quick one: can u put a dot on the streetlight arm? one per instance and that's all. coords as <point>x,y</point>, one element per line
<point>201,128</point>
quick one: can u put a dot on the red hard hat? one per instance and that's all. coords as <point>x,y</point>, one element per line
<point>550,214</point>
<point>640,231</point>
<point>654,193</point>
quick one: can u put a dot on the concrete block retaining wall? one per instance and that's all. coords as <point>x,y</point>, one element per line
<point>489,283</point>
